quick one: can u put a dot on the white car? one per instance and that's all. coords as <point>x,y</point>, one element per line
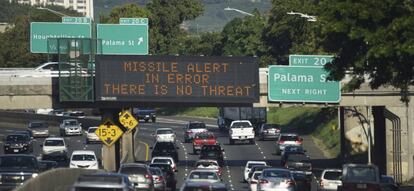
<point>241,130</point>
<point>286,139</point>
<point>254,180</point>
<point>206,164</point>
<point>164,135</point>
<point>249,166</point>
<point>192,128</point>
<point>70,127</point>
<point>167,160</point>
<point>330,180</point>
<point>83,159</point>
<point>54,148</point>
<point>91,136</point>
<point>203,176</point>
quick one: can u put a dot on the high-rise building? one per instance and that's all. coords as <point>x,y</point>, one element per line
<point>84,7</point>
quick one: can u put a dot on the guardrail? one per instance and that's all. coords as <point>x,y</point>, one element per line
<point>60,179</point>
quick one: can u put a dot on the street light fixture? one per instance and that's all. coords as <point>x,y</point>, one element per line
<point>53,11</point>
<point>238,10</point>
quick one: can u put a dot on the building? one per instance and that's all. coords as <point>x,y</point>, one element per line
<point>84,7</point>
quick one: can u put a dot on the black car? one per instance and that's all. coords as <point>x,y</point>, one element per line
<point>303,181</point>
<point>15,169</point>
<point>214,152</point>
<point>388,183</point>
<point>168,174</point>
<point>299,162</point>
<point>204,186</point>
<point>292,149</point>
<point>18,143</point>
<point>165,149</point>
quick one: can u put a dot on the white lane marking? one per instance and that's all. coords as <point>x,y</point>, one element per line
<point>78,141</point>
<point>9,130</point>
<point>261,151</point>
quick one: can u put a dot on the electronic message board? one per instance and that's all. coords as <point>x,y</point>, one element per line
<point>177,79</point>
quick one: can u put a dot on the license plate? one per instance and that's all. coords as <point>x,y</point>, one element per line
<point>16,150</point>
<point>361,186</point>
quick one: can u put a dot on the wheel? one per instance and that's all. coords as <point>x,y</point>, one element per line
<point>194,151</point>
<point>146,120</point>
<point>153,120</point>
<point>87,141</point>
<point>251,141</point>
<point>231,141</point>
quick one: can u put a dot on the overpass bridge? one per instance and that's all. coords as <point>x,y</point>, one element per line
<point>379,111</point>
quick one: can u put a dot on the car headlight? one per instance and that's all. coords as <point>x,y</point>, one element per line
<point>34,175</point>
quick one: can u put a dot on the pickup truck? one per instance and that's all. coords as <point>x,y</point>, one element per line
<point>241,130</point>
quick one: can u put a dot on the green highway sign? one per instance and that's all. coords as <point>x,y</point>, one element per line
<point>40,32</point>
<point>309,60</point>
<point>84,20</point>
<point>133,21</point>
<point>123,39</point>
<point>301,84</point>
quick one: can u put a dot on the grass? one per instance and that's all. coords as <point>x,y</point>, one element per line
<point>211,112</point>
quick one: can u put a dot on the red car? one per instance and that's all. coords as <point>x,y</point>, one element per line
<point>204,138</point>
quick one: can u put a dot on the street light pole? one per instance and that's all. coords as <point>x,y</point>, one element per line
<point>238,10</point>
<point>53,11</point>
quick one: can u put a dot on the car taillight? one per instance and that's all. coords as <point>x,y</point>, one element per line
<point>298,142</point>
<point>231,132</point>
<point>219,172</point>
<point>147,176</point>
<point>253,131</point>
<point>373,188</point>
<point>189,132</point>
<point>253,182</point>
<point>321,184</point>
<point>287,183</point>
<point>263,181</point>
<point>174,168</point>
<point>277,130</point>
<point>159,179</point>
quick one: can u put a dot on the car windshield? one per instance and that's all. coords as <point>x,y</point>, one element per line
<point>332,175</point>
<point>164,146</point>
<point>289,138</point>
<point>256,175</point>
<point>197,126</point>
<point>206,164</point>
<point>71,122</point>
<point>204,136</point>
<point>133,170</point>
<point>36,125</point>
<point>203,175</point>
<point>293,149</point>
<point>270,126</point>
<point>54,143</point>
<point>92,130</point>
<point>298,158</point>
<point>163,167</point>
<point>241,125</point>
<point>166,131</point>
<point>18,162</point>
<point>250,165</point>
<point>17,138</point>
<point>156,171</point>
<point>361,174</point>
<point>168,161</point>
<point>276,174</point>
<point>83,157</point>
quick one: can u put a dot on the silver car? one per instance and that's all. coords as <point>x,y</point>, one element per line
<point>160,183</point>
<point>276,179</point>
<point>38,129</point>
<point>103,181</point>
<point>330,180</point>
<point>286,139</point>
<point>70,127</point>
<point>269,131</point>
<point>139,175</point>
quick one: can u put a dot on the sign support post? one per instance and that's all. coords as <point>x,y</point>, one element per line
<point>111,155</point>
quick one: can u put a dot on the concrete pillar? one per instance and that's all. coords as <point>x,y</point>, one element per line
<point>127,148</point>
<point>111,155</point>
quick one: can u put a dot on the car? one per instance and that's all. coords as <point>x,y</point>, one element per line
<point>70,127</point>
<point>359,177</point>
<point>167,160</point>
<point>83,159</point>
<point>204,138</point>
<point>299,162</point>
<point>103,181</point>
<point>15,169</point>
<point>290,149</point>
<point>209,165</point>
<point>139,175</point>
<point>57,112</point>
<point>158,178</point>
<point>212,152</point>
<point>199,175</point>
<point>78,114</point>
<point>256,168</point>
<point>145,114</point>
<point>249,165</point>
<point>192,128</point>
<point>302,180</point>
<point>286,139</point>
<point>54,148</point>
<point>254,180</point>
<point>241,130</point>
<point>165,149</point>
<point>168,174</point>
<point>164,135</point>
<point>18,143</point>
<point>91,136</point>
<point>330,180</point>
<point>277,179</point>
<point>268,131</point>
<point>38,129</point>
<point>388,183</point>
<point>204,186</point>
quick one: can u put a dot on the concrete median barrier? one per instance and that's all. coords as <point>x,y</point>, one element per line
<point>60,179</point>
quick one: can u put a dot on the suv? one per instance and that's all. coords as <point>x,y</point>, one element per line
<point>330,180</point>
<point>38,129</point>
<point>360,177</point>
<point>139,175</point>
<point>70,127</point>
<point>213,152</point>
<point>169,174</point>
<point>269,131</point>
<point>15,169</point>
<point>18,143</point>
<point>241,130</point>
<point>54,148</point>
<point>192,128</point>
<point>287,139</point>
<point>165,149</point>
<point>205,138</point>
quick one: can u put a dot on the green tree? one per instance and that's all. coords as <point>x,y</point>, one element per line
<point>207,44</point>
<point>373,38</point>
<point>128,11</point>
